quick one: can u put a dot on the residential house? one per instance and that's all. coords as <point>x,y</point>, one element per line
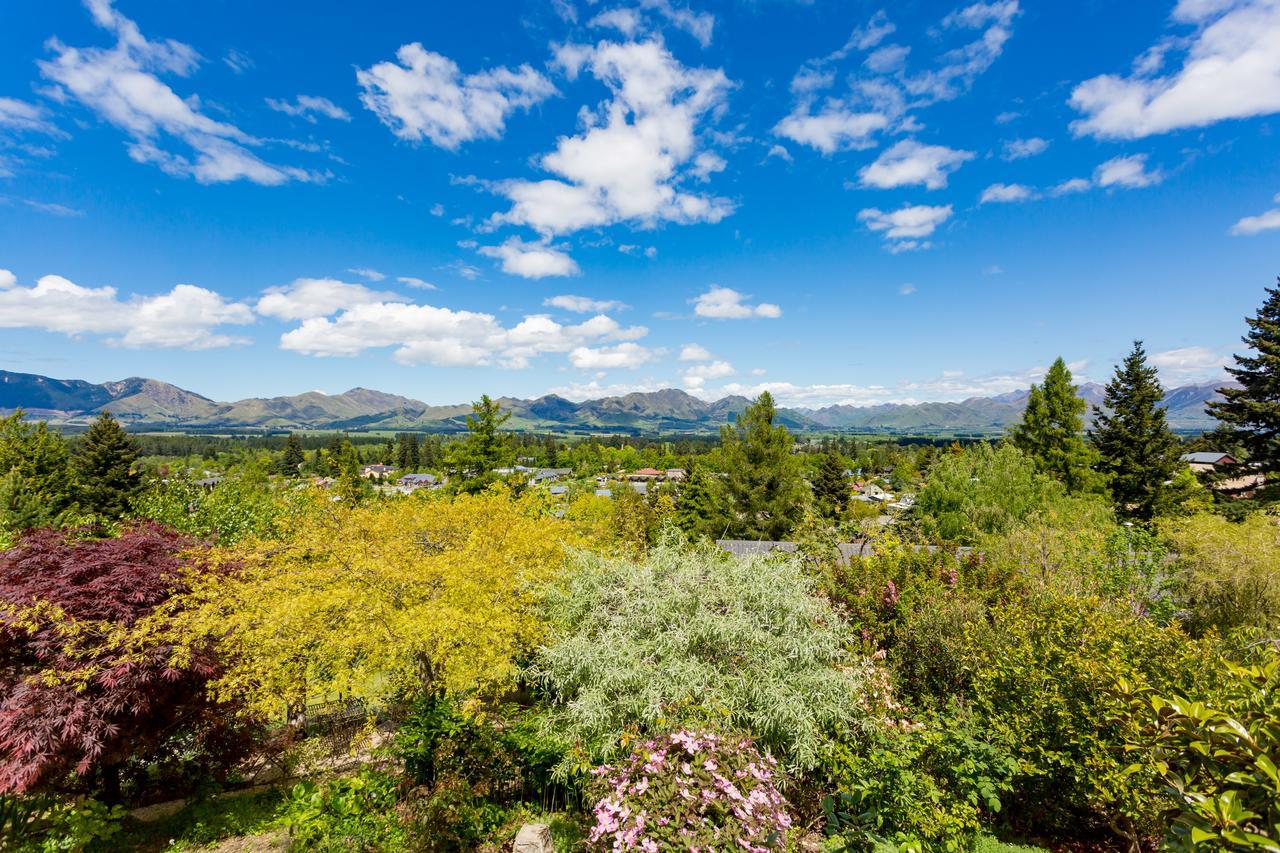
<point>377,472</point>
<point>1208,461</point>
<point>417,481</point>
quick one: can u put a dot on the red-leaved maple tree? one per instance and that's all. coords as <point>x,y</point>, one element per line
<point>77,703</point>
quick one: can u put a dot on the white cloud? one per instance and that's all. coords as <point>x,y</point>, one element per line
<point>186,317</point>
<point>700,374</point>
<point>903,228</point>
<point>23,116</point>
<point>626,355</point>
<point>632,21</point>
<point>121,85</point>
<point>531,260</point>
<point>426,95</point>
<point>1231,70</point>
<point>1020,149</point>
<point>909,162</point>
<point>1074,185</point>
<point>779,152</point>
<point>627,21</point>
<point>907,289</point>
<point>316,297</point>
<point>368,273</point>
<point>1266,221</point>
<point>1189,364</point>
<point>629,161</point>
<point>53,208</point>
<point>694,352</point>
<point>1129,172</point>
<point>426,334</point>
<point>1006,193</point>
<point>835,127</point>
<point>724,303</point>
<point>583,304</point>
<point>308,107</point>
<point>415,282</point>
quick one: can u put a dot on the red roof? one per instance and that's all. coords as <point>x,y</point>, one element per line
<point>652,472</point>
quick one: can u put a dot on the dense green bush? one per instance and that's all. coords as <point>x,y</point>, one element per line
<point>691,636</point>
<point>1219,756</point>
<point>1229,572</point>
<point>352,813</point>
<point>1043,680</point>
<point>45,824</point>
<point>230,511</point>
<point>690,790</point>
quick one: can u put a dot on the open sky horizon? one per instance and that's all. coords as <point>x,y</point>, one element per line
<point>852,202</point>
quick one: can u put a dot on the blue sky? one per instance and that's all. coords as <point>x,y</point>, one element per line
<point>836,201</point>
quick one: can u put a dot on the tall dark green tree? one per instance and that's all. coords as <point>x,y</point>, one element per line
<point>1051,432</point>
<point>1252,411</point>
<point>407,455</point>
<point>472,459</point>
<point>106,461</point>
<point>36,482</point>
<point>831,490</point>
<point>293,458</point>
<point>1138,452</point>
<point>700,510</point>
<point>765,491</point>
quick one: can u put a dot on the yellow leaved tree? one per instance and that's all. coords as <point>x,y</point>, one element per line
<point>378,601</point>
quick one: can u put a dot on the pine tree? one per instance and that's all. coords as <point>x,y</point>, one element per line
<point>106,460</point>
<point>831,489</point>
<point>1253,410</point>
<point>700,508</point>
<point>333,455</point>
<point>1133,439</point>
<point>36,482</point>
<point>472,460</point>
<point>293,457</point>
<point>765,491</point>
<point>407,456</point>
<point>1051,432</point>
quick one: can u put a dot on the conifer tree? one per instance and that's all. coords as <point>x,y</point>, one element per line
<point>1051,432</point>
<point>1252,411</point>
<point>472,460</point>
<point>1133,439</point>
<point>764,488</point>
<point>293,457</point>
<point>831,489</point>
<point>407,455</point>
<point>700,509</point>
<point>106,461</point>
<point>36,482</point>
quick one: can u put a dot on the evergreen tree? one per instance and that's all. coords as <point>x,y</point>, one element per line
<point>407,455</point>
<point>36,482</point>
<point>333,456</point>
<point>387,456</point>
<point>1252,411</point>
<point>1051,432</point>
<point>831,489</point>
<point>472,459</point>
<point>1136,447</point>
<point>106,460</point>
<point>700,509</point>
<point>764,488</point>
<point>293,457</point>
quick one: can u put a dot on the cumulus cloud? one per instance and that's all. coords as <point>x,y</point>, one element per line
<point>883,90</point>
<point>633,21</point>
<point>1074,185</point>
<point>316,297</point>
<point>1020,149</point>
<point>426,95</point>
<point>1267,221</point>
<point>186,317</point>
<point>1006,193</point>
<point>121,85</point>
<point>700,374</point>
<point>531,260</point>
<point>583,304</point>
<point>903,228</point>
<point>626,355</point>
<point>308,107</point>
<point>1189,364</point>
<point>427,334</point>
<point>1230,69</point>
<point>725,303</point>
<point>634,153</point>
<point>1129,172</point>
<point>694,352</point>
<point>909,162</point>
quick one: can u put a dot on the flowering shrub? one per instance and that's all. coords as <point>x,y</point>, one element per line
<point>691,790</point>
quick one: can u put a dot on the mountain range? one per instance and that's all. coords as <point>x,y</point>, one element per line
<point>149,404</point>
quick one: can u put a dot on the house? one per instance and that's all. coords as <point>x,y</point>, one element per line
<point>376,472</point>
<point>209,482</point>
<point>558,491</point>
<point>417,481</point>
<point>549,475</point>
<point>604,493</point>
<point>675,475</point>
<point>1208,460</point>
<point>644,474</point>
<point>641,488</point>
<point>871,490</point>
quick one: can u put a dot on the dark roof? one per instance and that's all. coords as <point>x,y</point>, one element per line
<point>1207,457</point>
<point>418,478</point>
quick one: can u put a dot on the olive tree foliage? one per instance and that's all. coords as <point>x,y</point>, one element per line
<point>379,601</point>
<point>693,636</point>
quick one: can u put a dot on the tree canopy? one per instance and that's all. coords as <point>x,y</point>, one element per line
<point>1051,431</point>
<point>765,491</point>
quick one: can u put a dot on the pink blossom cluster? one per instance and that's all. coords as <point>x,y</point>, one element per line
<point>691,790</point>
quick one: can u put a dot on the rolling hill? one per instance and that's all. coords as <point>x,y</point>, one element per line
<point>145,404</point>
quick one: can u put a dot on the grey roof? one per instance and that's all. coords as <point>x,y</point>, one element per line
<point>418,478</point>
<point>1205,457</point>
<point>642,488</point>
<point>559,490</point>
<point>604,493</point>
